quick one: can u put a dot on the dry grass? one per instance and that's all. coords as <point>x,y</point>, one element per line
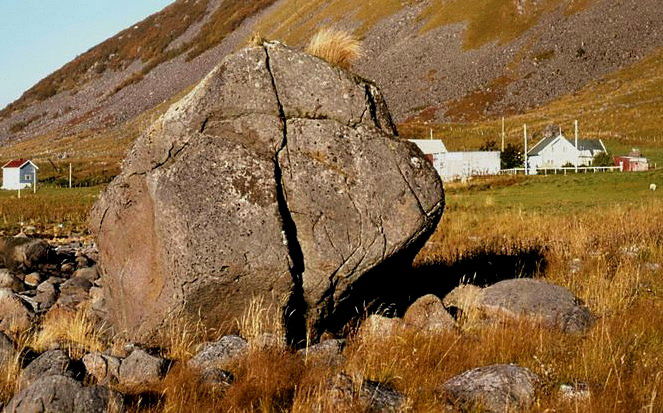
<point>73,331</point>
<point>337,47</point>
<point>607,248</point>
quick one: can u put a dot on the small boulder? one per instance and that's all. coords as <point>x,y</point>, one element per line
<point>73,292</point>
<point>51,394</point>
<point>7,350</point>
<point>574,391</point>
<point>497,388</point>
<point>47,294</point>
<point>15,315</point>
<point>88,273</point>
<point>9,281</point>
<point>33,279</point>
<point>428,314</point>
<point>142,369</point>
<point>50,363</point>
<point>328,352</point>
<point>104,368</point>
<point>23,254</point>
<point>377,326</point>
<point>371,395</point>
<point>221,354</point>
<point>536,300</point>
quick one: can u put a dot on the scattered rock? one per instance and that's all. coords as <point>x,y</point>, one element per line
<point>537,300</point>
<point>33,279</point>
<point>428,313</point>
<point>104,368</point>
<point>142,369</point>
<point>50,394</point>
<point>221,354</point>
<point>328,352</point>
<point>23,254</point>
<point>575,391</point>
<point>50,363</point>
<point>371,395</point>
<point>378,327</point>
<point>88,273</point>
<point>268,121</point>
<point>217,377</point>
<point>497,388</point>
<point>73,292</point>
<point>15,315</point>
<point>9,281</point>
<point>7,350</point>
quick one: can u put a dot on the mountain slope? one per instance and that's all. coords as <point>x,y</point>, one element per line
<point>436,60</point>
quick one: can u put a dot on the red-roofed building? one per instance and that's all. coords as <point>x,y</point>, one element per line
<point>19,174</point>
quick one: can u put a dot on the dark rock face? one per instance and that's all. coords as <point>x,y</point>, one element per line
<point>278,176</point>
<point>51,394</point>
<point>497,388</point>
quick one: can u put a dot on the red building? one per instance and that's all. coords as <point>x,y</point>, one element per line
<point>633,162</point>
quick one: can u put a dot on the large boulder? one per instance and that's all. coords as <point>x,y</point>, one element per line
<point>279,176</point>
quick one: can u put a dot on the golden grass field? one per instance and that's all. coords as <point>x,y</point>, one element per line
<point>600,235</point>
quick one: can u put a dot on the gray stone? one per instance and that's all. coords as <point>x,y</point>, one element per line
<point>142,369</point>
<point>538,300</point>
<point>497,388</point>
<point>575,392</point>
<point>9,281</point>
<point>428,314</point>
<point>58,394</point>
<point>88,273</point>
<point>73,292</point>
<point>104,368</point>
<point>221,354</point>
<point>379,327</point>
<point>370,395</point>
<point>328,352</point>
<point>7,350</point>
<point>15,315</point>
<point>23,254</point>
<point>50,363</point>
<point>302,166</point>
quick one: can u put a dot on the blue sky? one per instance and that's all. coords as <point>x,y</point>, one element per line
<point>39,36</point>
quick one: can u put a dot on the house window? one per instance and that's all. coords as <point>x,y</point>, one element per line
<point>27,177</point>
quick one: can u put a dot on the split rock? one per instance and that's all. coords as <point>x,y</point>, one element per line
<point>306,189</point>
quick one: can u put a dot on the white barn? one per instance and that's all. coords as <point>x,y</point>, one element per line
<point>19,174</point>
<point>458,165</point>
<point>557,151</point>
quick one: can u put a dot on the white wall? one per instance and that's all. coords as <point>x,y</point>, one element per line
<point>458,165</point>
<point>11,179</point>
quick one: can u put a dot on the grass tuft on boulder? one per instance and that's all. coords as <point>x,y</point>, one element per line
<point>337,47</point>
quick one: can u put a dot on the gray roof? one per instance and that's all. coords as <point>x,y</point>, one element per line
<point>541,144</point>
<point>583,144</point>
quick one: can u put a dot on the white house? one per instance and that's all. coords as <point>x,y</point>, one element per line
<point>458,165</point>
<point>19,174</point>
<point>557,151</point>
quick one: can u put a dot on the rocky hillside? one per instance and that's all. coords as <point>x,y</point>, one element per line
<point>436,60</point>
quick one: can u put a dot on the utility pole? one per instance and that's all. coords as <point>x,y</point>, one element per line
<point>69,175</point>
<point>525,136</point>
<point>431,133</point>
<point>575,127</point>
<point>503,134</point>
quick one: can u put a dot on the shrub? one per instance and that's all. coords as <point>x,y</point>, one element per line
<point>602,159</point>
<point>512,157</point>
<point>336,47</point>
